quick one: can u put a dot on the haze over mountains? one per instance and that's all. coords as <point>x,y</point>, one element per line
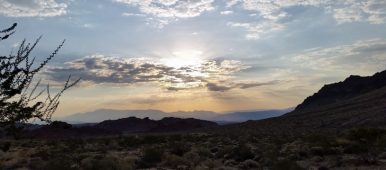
<point>111,114</point>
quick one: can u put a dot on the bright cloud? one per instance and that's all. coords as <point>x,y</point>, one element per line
<point>256,29</point>
<point>32,8</point>
<point>273,11</point>
<point>166,10</point>
<point>364,55</point>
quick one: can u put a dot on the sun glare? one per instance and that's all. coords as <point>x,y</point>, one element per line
<point>184,58</point>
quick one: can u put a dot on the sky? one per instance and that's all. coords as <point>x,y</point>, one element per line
<point>186,55</point>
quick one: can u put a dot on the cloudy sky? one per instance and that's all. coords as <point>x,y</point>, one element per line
<point>217,55</point>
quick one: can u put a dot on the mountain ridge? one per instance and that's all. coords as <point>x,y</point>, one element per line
<point>112,114</point>
<point>352,86</point>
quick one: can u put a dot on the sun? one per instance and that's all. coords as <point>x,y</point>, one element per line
<point>184,58</point>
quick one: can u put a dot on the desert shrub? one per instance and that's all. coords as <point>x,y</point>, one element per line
<point>174,161</point>
<point>242,153</point>
<point>210,164</point>
<point>249,164</point>
<point>179,148</point>
<point>286,164</point>
<point>321,151</point>
<point>129,141</point>
<point>107,162</point>
<point>5,146</point>
<point>356,148</point>
<point>318,140</point>
<point>203,152</point>
<point>269,157</point>
<point>151,156</point>
<point>193,157</point>
<point>59,162</point>
<point>42,153</point>
<point>175,137</point>
<point>36,163</point>
<point>153,139</point>
<point>366,134</point>
<point>224,152</point>
<point>88,163</point>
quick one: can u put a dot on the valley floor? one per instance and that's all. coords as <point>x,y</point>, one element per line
<point>222,149</point>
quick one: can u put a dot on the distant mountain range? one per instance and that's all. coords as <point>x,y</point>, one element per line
<point>355,102</point>
<point>59,129</point>
<point>110,114</point>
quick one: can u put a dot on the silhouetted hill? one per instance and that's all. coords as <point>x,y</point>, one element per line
<point>59,129</point>
<point>351,87</point>
<point>353,103</point>
<point>178,124</point>
<point>110,114</point>
<point>132,124</point>
<point>251,115</point>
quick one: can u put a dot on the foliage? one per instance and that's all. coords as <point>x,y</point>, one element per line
<point>21,101</point>
<point>151,156</point>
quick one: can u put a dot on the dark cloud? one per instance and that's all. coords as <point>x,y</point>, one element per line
<point>254,84</point>
<point>214,75</point>
<point>216,87</point>
<point>221,88</point>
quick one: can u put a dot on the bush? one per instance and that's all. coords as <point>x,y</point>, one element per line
<point>151,156</point>
<point>242,153</point>
<point>60,162</point>
<point>287,164</point>
<point>108,162</point>
<point>179,148</point>
<point>249,164</point>
<point>153,139</point>
<point>5,146</point>
<point>174,162</point>
<point>366,134</point>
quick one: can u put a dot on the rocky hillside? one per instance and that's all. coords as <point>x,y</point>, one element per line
<point>351,87</point>
<point>355,102</point>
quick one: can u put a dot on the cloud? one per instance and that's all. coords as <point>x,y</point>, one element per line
<point>128,14</point>
<point>256,29</point>
<point>231,3</point>
<point>226,12</point>
<point>271,13</point>
<point>373,11</point>
<point>225,86</point>
<point>216,87</point>
<point>364,54</point>
<point>99,69</point>
<point>32,8</point>
<point>166,11</point>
